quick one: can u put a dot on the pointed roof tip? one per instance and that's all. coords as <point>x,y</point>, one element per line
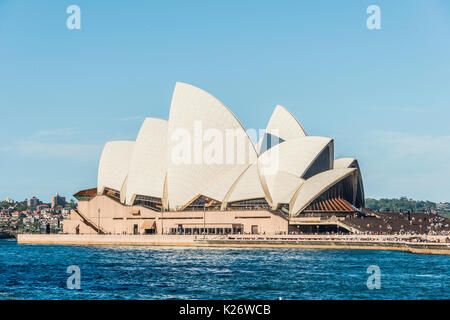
<point>189,104</point>
<point>149,123</point>
<point>346,159</point>
<point>345,163</point>
<point>282,116</point>
<point>110,142</point>
<point>148,119</point>
<point>180,83</point>
<point>279,106</point>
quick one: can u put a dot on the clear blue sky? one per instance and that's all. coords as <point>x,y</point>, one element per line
<point>383,95</point>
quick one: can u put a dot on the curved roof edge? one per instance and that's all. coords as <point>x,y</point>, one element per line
<point>247,186</point>
<point>192,87</point>
<point>330,147</point>
<point>148,164</point>
<point>191,106</point>
<point>286,124</point>
<point>114,164</point>
<point>359,198</point>
<point>315,186</point>
<point>282,187</point>
<point>219,188</point>
<point>295,156</point>
<point>343,163</point>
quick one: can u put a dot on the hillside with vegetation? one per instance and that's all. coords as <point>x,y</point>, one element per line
<point>17,206</point>
<point>405,204</point>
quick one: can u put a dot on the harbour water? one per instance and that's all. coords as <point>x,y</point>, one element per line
<point>40,272</point>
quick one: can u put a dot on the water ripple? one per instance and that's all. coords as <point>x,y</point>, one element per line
<point>39,272</point>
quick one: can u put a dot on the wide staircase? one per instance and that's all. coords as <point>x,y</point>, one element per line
<point>322,221</point>
<point>90,223</point>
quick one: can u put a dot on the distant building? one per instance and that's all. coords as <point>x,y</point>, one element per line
<point>43,206</point>
<point>4,215</point>
<point>33,203</point>
<point>28,220</point>
<point>8,200</point>
<point>57,200</point>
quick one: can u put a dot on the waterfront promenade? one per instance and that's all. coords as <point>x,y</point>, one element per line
<point>425,244</point>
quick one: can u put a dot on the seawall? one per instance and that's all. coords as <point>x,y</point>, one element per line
<point>427,246</point>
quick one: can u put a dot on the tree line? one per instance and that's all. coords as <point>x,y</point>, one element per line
<point>404,204</point>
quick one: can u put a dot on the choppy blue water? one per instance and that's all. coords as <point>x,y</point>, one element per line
<point>39,272</point>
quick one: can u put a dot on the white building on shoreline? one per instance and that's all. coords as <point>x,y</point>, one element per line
<point>186,175</point>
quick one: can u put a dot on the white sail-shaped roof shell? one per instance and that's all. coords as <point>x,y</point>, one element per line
<point>344,163</point>
<point>295,156</point>
<point>359,198</point>
<point>192,111</point>
<point>284,125</point>
<point>220,186</point>
<point>114,165</point>
<point>247,186</point>
<point>315,186</point>
<point>282,187</point>
<point>148,165</point>
<point>296,169</point>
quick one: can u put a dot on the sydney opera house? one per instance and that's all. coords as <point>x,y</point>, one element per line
<point>200,172</point>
